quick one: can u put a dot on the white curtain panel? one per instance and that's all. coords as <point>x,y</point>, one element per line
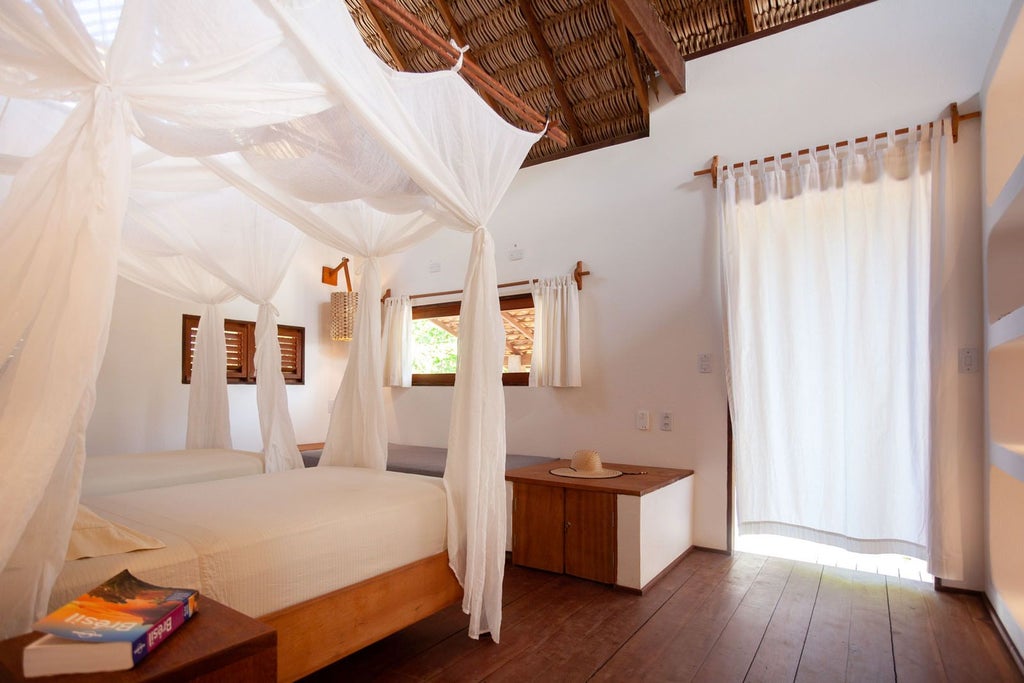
<point>397,341</point>
<point>948,307</point>
<point>556,333</point>
<point>828,296</point>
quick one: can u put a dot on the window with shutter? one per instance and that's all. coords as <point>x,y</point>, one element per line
<point>240,340</point>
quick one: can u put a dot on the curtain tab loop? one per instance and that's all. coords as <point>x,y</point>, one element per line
<point>462,54</point>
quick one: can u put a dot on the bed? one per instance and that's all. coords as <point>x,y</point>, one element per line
<point>106,474</point>
<point>334,558</point>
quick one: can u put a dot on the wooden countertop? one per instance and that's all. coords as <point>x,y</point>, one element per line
<point>652,479</point>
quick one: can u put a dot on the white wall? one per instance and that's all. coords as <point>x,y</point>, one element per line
<point>141,404</point>
<point>644,226</point>
<point>641,223</point>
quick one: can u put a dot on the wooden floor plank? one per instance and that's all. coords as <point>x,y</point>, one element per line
<point>731,655</point>
<point>634,658</point>
<point>702,619</point>
<point>870,653</point>
<point>598,631</point>
<point>779,651</point>
<point>959,639</point>
<point>915,652</point>
<point>674,643</point>
<point>523,625</point>
<point>827,645</point>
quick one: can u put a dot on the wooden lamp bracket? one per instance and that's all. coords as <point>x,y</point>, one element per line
<point>329,276</point>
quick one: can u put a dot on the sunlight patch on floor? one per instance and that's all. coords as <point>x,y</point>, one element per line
<point>830,556</point>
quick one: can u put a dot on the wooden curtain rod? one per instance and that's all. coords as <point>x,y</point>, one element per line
<point>577,275</point>
<point>955,118</point>
<point>417,29</point>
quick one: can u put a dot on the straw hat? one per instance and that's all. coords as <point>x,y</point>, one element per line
<point>586,465</point>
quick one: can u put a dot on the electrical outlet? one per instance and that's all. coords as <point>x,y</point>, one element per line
<point>643,420</point>
<point>969,360</point>
<point>704,363</point>
<point>666,422</point>
<point>434,267</point>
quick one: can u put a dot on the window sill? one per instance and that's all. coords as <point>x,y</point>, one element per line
<point>447,379</point>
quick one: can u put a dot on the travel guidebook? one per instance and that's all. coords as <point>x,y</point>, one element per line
<point>112,627</point>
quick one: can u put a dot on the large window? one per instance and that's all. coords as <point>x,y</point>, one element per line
<point>435,338</point>
<point>240,336</point>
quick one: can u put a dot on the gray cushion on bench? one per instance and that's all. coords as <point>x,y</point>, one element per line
<point>427,459</point>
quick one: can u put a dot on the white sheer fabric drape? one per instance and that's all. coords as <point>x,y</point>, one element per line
<point>397,341</point>
<point>556,339</point>
<point>249,249</point>
<point>293,90</point>
<point>948,308</point>
<point>828,293</point>
<point>147,260</point>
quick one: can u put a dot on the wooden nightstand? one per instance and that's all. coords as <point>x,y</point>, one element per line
<point>626,530</point>
<point>217,644</point>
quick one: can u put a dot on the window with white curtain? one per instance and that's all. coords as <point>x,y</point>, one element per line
<point>435,337</point>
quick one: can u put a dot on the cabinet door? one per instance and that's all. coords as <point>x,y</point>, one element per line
<point>538,526</point>
<point>590,535</point>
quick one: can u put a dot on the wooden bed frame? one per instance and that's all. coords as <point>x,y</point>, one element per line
<point>320,631</point>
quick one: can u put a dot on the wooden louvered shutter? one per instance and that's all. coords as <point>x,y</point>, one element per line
<point>292,340</point>
<point>240,341</point>
<point>237,337</point>
<point>189,329</point>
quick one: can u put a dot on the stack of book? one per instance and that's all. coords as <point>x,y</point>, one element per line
<point>110,628</point>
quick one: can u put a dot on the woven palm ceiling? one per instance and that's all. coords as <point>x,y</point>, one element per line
<point>589,64</point>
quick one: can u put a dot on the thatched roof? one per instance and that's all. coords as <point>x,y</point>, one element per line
<point>590,63</point>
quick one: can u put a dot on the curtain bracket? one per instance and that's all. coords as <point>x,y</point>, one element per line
<point>711,170</point>
<point>954,114</point>
<point>578,274</point>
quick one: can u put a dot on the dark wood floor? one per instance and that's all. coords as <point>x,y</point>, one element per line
<point>712,618</point>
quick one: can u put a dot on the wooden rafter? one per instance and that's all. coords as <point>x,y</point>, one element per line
<point>748,15</point>
<point>548,60</point>
<point>511,320</point>
<point>654,39</point>
<point>456,33</point>
<point>470,69</point>
<point>385,36</point>
<point>639,82</point>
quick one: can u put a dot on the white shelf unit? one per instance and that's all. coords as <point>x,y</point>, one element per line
<point>1005,245</point>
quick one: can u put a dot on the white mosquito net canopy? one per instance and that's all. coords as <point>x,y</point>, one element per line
<point>121,129</point>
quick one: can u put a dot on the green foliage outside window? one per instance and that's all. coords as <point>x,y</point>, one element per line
<point>434,350</point>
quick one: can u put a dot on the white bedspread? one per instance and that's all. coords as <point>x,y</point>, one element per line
<point>260,544</point>
<point>105,474</point>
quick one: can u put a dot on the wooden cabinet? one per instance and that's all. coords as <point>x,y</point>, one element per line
<point>625,530</point>
<point>564,530</point>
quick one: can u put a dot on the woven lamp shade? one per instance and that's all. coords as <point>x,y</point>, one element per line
<point>343,315</point>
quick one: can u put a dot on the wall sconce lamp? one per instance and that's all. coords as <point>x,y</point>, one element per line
<point>343,304</point>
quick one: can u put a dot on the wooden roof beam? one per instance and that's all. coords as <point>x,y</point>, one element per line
<point>654,39</point>
<point>639,82</point>
<point>548,60</point>
<point>386,38</point>
<point>456,32</point>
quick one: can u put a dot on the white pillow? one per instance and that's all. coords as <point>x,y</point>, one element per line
<point>93,536</point>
